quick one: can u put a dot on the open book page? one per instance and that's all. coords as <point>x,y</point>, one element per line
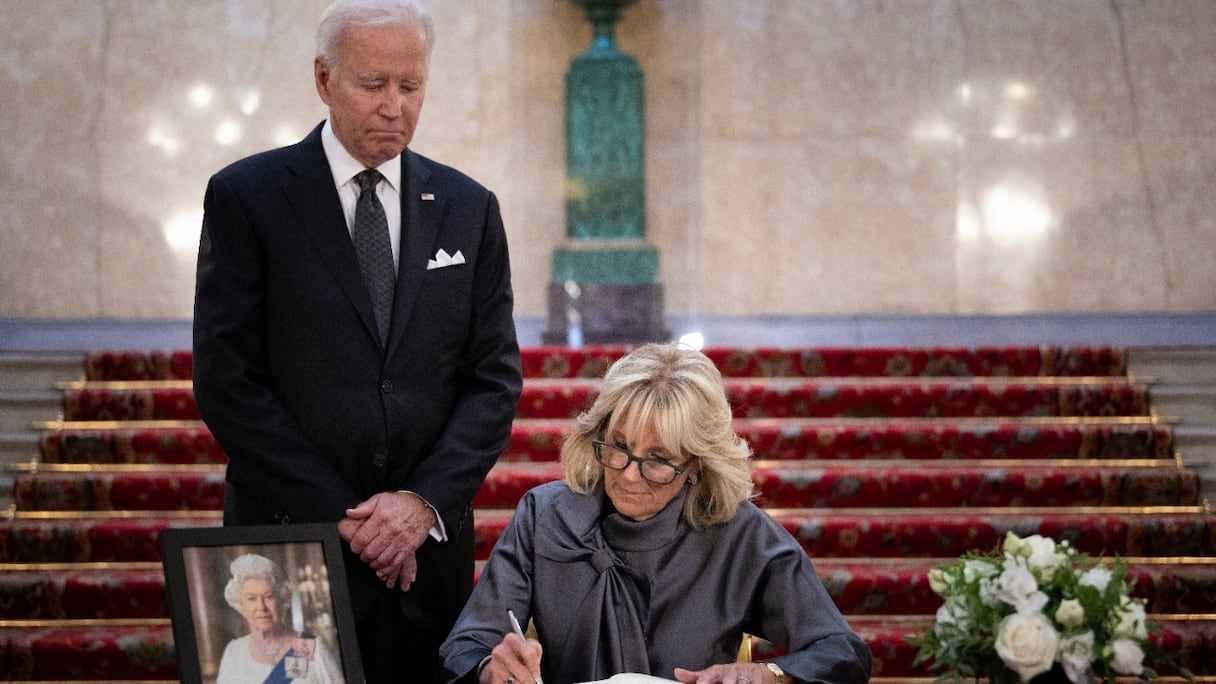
<point>632,678</point>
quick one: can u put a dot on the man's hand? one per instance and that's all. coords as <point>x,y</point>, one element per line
<point>385,531</point>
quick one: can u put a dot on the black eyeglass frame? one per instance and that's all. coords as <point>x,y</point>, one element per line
<point>599,444</point>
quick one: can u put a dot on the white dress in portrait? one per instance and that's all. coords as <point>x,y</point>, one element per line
<point>237,666</point>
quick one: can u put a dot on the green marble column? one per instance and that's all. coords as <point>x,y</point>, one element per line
<point>604,286</point>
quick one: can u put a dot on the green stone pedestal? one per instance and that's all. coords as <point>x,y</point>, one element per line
<point>605,314</point>
<point>604,285</point>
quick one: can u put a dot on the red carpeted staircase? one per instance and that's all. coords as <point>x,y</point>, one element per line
<point>884,463</point>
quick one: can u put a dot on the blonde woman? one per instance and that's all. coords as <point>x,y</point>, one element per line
<point>650,556</point>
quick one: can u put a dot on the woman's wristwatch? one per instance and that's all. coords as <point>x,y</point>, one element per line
<point>778,673</point>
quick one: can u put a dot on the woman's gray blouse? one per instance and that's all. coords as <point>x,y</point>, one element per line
<point>609,594</point>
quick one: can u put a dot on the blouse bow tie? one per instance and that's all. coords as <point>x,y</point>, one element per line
<point>612,638</point>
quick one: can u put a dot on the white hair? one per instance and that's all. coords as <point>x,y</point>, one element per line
<point>345,14</point>
<point>254,566</point>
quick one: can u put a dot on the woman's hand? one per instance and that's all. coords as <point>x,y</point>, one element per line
<point>514,660</point>
<point>730,673</point>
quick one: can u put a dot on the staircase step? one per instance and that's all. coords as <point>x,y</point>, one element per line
<point>765,398</point>
<point>1185,404</point>
<point>119,488</point>
<point>82,591</point>
<point>187,442</point>
<point>1192,638</point>
<point>158,364</point>
<point>1196,446</point>
<point>881,398</point>
<point>1173,365</point>
<point>23,446</point>
<point>93,536</point>
<point>932,532</point>
<point>143,649</point>
<point>974,484</point>
<point>21,409</point>
<point>783,484</point>
<point>956,438</point>
<point>39,370</point>
<point>863,586</point>
<point>143,442</point>
<point>123,536</point>
<point>842,485</point>
<point>88,650</point>
<point>593,361</point>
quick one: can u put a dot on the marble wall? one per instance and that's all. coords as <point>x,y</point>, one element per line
<point>803,156</point>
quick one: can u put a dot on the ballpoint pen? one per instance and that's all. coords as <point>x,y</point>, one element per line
<point>520,632</point>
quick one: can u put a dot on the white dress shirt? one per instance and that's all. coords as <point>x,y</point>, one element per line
<point>344,168</point>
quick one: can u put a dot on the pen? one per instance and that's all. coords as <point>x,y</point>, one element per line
<point>520,633</point>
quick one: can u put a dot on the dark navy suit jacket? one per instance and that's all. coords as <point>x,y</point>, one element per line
<point>290,376</point>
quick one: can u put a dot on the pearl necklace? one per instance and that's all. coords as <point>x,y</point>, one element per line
<point>272,650</point>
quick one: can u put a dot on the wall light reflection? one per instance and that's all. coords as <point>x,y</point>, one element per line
<point>1016,90</point>
<point>1012,112</point>
<point>181,232</point>
<point>286,135</point>
<point>250,103</point>
<point>1008,214</point>
<point>936,131</point>
<point>200,95</point>
<point>692,340</point>
<point>158,138</point>
<point>964,93</point>
<point>228,133</point>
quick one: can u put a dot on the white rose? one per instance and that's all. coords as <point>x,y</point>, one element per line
<point>1013,544</point>
<point>1026,643</point>
<point>1076,656</point>
<point>975,569</point>
<point>1070,613</point>
<point>1044,556</point>
<point>990,592</point>
<point>1131,620</point>
<point>1018,587</point>
<point>951,618</point>
<point>939,581</point>
<point>1129,657</point>
<point>1097,577</point>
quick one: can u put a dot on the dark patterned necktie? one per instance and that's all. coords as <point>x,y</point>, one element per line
<point>370,235</point>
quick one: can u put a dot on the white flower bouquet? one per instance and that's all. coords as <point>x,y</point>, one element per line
<point>1036,606</point>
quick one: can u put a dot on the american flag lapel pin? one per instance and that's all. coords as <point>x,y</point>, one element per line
<point>428,197</point>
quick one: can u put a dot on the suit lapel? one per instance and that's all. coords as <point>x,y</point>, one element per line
<point>314,199</point>
<point>421,209</point>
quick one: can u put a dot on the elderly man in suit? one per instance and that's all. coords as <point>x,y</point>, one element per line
<point>354,347</point>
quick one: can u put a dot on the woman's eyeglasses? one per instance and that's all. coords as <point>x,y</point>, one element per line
<point>616,457</point>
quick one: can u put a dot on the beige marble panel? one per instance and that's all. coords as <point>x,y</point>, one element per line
<point>1171,58</point>
<point>1039,228</point>
<point>792,69</point>
<point>841,228</point>
<point>665,38</point>
<point>49,220</point>
<point>1032,73</point>
<point>1182,176</point>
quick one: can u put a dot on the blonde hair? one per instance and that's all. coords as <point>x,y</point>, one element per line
<point>679,391</point>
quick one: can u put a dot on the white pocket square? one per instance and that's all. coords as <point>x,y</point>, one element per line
<point>442,259</point>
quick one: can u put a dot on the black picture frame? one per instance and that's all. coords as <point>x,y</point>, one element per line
<point>196,562</point>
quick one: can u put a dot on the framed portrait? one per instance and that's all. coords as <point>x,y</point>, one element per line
<point>260,604</point>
